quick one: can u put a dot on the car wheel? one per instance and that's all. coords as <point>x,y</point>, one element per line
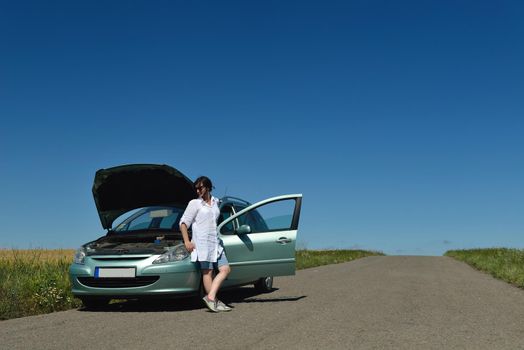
<point>201,290</point>
<point>94,302</point>
<point>264,285</point>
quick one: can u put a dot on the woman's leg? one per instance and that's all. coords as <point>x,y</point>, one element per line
<point>207,279</point>
<point>223,271</point>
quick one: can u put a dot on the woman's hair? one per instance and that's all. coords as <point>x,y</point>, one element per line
<point>205,181</point>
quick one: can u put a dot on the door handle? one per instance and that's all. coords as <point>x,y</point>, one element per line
<point>283,240</point>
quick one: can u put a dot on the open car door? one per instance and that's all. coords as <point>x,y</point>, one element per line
<point>260,239</point>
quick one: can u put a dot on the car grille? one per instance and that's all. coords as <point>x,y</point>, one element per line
<point>117,258</point>
<point>118,282</point>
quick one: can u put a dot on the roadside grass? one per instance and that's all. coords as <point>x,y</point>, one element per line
<point>502,263</point>
<point>311,258</point>
<point>36,281</point>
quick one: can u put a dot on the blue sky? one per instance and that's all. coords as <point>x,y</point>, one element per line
<point>400,122</point>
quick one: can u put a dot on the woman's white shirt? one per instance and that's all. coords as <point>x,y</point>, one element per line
<point>202,217</point>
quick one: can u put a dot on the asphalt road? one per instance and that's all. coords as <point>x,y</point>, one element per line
<point>373,303</point>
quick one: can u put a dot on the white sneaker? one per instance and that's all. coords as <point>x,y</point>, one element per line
<point>211,304</point>
<point>220,306</point>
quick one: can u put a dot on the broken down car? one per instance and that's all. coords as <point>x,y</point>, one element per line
<point>143,255</point>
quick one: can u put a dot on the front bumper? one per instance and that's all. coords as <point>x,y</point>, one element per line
<point>174,278</point>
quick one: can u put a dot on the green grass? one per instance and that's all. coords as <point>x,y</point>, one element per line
<point>502,263</point>
<point>311,258</point>
<point>36,281</point>
<point>33,285</point>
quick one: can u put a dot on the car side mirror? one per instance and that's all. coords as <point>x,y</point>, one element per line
<point>243,230</point>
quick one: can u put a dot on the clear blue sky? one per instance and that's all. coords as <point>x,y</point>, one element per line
<point>401,122</point>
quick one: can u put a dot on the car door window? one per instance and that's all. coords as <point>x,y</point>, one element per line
<point>276,216</point>
<point>254,220</point>
<point>273,216</point>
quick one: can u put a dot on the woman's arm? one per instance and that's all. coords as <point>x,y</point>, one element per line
<point>185,222</point>
<point>185,235</point>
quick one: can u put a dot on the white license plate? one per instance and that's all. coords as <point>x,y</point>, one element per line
<point>103,272</point>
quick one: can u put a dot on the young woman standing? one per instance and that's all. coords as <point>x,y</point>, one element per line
<point>205,247</point>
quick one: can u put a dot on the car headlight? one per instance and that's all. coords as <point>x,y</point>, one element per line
<point>80,256</point>
<point>176,253</point>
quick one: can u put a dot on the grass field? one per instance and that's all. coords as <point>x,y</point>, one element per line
<point>503,263</point>
<point>311,258</point>
<point>36,281</point>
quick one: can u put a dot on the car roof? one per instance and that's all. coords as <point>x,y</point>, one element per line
<point>234,200</point>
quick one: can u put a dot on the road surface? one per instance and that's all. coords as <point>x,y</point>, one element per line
<point>394,302</point>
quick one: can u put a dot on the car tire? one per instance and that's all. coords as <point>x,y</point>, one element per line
<point>264,285</point>
<point>93,303</point>
<point>201,290</point>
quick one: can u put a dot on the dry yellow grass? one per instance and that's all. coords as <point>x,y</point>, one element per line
<point>36,255</point>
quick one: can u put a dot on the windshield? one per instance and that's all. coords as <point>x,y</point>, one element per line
<point>152,218</point>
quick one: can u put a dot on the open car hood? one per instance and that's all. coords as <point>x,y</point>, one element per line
<point>123,188</point>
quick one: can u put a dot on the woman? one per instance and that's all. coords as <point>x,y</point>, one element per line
<point>205,246</point>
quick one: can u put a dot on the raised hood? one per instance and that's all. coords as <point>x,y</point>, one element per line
<point>123,188</point>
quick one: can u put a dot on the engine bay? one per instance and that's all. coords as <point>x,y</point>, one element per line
<point>120,244</point>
